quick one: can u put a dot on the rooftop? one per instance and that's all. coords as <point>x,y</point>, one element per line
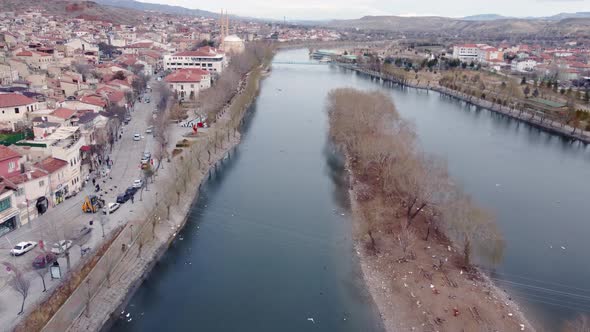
<point>14,99</point>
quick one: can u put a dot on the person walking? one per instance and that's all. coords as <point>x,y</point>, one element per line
<point>132,196</point>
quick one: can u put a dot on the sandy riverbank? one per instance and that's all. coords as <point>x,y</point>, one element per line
<point>414,296</point>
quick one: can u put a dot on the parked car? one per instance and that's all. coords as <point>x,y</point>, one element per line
<point>128,118</point>
<point>131,191</point>
<point>22,248</point>
<point>149,130</point>
<point>43,260</point>
<point>61,246</point>
<point>138,183</point>
<point>123,198</point>
<point>145,160</point>
<point>71,194</point>
<point>136,137</point>
<point>147,100</point>
<point>112,207</point>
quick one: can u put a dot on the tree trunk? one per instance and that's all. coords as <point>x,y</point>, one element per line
<point>22,306</point>
<point>427,233</point>
<point>43,279</point>
<point>373,243</point>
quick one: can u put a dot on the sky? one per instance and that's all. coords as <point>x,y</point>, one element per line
<point>346,9</point>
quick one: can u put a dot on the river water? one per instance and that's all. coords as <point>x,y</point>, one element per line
<point>267,245</point>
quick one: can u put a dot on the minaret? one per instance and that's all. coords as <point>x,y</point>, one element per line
<point>226,23</point>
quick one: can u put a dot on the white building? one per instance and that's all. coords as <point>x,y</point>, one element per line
<point>466,52</point>
<point>15,108</point>
<point>187,83</point>
<point>523,65</point>
<point>233,44</point>
<point>206,58</point>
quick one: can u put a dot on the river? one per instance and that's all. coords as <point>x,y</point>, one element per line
<point>267,245</point>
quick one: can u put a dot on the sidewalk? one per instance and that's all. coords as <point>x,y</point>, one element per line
<point>69,218</point>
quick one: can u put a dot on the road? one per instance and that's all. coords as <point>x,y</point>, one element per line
<point>66,220</point>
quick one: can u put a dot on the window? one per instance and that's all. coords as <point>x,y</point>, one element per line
<point>192,86</point>
<point>16,110</point>
<point>41,183</point>
<point>5,204</point>
<point>19,192</point>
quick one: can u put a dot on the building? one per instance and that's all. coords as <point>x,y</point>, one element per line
<point>9,161</point>
<point>233,44</point>
<point>187,83</point>
<point>15,108</point>
<point>65,144</point>
<point>56,170</point>
<point>9,213</point>
<point>38,60</point>
<point>466,52</point>
<point>522,66</point>
<point>206,58</point>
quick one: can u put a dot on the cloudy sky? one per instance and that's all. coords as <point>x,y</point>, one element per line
<point>339,9</point>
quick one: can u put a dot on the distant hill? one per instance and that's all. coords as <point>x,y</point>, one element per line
<point>443,26</point>
<point>562,16</point>
<point>88,10</point>
<point>484,17</point>
<point>169,9</point>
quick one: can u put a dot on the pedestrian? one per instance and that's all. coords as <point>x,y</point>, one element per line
<point>132,199</point>
<point>93,181</point>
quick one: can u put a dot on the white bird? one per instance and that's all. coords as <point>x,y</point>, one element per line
<point>311,320</point>
<point>563,247</point>
<point>128,314</point>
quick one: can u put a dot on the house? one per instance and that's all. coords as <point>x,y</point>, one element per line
<point>32,189</point>
<point>524,65</point>
<point>58,184</point>
<point>206,58</point>
<point>65,144</point>
<point>9,161</point>
<point>38,60</point>
<point>187,83</point>
<point>14,108</point>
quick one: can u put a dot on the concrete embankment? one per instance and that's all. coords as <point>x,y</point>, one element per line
<point>143,242</point>
<point>551,126</point>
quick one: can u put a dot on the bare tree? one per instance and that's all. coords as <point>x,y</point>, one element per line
<point>19,283</point>
<point>471,226</point>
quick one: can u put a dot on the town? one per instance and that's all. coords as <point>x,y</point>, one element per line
<point>109,129</point>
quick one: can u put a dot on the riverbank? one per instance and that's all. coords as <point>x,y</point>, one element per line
<point>532,119</point>
<point>412,296</point>
<point>160,218</point>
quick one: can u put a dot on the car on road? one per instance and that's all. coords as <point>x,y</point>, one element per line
<point>61,246</point>
<point>128,118</point>
<point>136,137</point>
<point>138,183</point>
<point>149,130</point>
<point>123,198</point>
<point>147,100</point>
<point>111,207</point>
<point>145,160</point>
<point>43,260</point>
<point>22,248</point>
<point>131,191</point>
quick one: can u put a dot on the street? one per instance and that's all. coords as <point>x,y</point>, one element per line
<point>67,219</point>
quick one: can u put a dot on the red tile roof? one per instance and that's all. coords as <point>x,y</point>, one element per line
<point>51,164</point>
<point>186,75</point>
<point>14,99</point>
<point>64,113</point>
<point>93,100</point>
<point>7,153</point>
<point>22,177</point>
